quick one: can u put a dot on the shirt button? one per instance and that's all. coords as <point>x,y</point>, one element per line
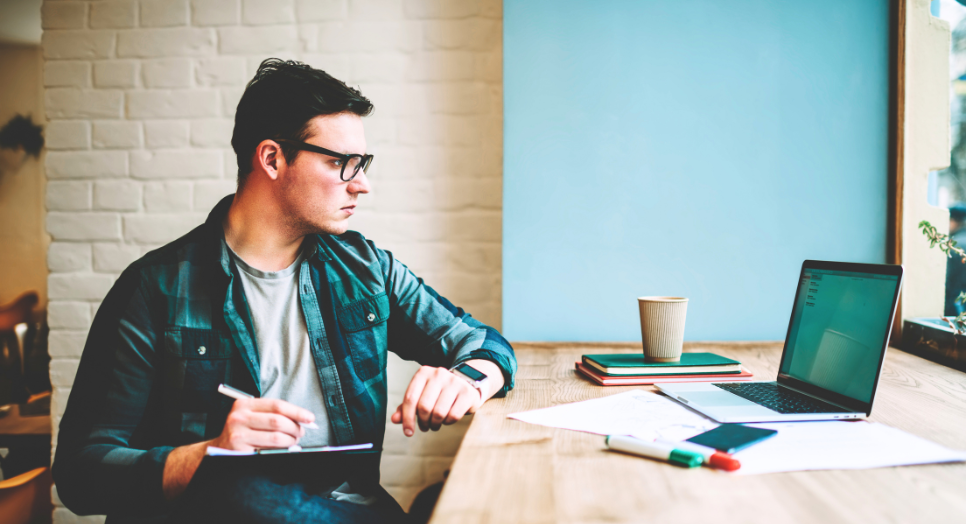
<point>201,350</point>
<point>370,317</point>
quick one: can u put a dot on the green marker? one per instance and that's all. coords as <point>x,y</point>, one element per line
<point>656,450</point>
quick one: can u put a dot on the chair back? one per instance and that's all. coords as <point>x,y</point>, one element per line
<point>26,497</point>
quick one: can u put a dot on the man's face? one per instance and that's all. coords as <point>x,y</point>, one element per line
<point>311,190</point>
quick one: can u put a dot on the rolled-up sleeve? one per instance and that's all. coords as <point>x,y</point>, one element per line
<point>429,329</point>
<point>102,464</point>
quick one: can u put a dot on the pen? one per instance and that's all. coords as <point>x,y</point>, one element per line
<point>351,447</point>
<point>712,457</point>
<point>655,450</point>
<point>238,394</point>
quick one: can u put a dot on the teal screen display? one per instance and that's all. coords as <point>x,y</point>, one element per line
<point>838,330</point>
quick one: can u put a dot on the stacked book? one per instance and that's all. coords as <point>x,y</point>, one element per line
<point>630,370</point>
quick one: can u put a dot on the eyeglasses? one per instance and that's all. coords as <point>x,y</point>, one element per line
<point>350,163</point>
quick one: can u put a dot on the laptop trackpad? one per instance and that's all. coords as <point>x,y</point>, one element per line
<point>714,398</point>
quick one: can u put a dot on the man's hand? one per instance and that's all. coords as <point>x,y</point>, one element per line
<point>436,396</point>
<point>252,423</point>
<point>262,423</point>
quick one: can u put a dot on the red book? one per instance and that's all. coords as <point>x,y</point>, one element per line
<point>635,380</point>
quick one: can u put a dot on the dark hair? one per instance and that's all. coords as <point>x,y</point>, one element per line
<point>278,103</point>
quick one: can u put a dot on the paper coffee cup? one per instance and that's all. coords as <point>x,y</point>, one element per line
<point>662,327</point>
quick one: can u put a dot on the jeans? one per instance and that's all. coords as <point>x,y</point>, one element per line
<point>255,491</point>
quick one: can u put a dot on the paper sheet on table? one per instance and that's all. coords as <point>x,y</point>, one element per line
<point>839,445</point>
<point>798,446</point>
<point>640,413</point>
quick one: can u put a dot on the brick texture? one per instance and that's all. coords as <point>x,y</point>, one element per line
<point>141,98</point>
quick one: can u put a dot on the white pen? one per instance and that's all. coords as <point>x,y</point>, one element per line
<point>238,394</point>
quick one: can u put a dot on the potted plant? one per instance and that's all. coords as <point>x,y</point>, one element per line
<point>940,339</point>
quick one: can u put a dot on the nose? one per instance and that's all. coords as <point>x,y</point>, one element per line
<point>359,184</point>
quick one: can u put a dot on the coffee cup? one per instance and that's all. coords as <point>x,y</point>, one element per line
<point>662,327</point>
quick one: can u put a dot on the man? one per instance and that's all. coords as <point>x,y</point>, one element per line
<point>275,297</point>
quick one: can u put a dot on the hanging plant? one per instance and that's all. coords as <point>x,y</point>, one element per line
<point>20,138</point>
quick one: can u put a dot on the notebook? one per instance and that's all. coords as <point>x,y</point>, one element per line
<point>634,364</point>
<point>634,380</point>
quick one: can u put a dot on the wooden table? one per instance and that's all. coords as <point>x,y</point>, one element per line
<point>509,471</point>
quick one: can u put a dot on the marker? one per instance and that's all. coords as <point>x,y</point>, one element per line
<point>712,457</point>
<point>238,394</point>
<point>655,450</point>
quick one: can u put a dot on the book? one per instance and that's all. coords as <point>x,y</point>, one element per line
<point>634,364</point>
<point>634,380</point>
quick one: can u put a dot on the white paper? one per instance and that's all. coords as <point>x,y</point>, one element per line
<point>839,445</point>
<point>640,413</point>
<point>798,446</point>
<point>213,451</point>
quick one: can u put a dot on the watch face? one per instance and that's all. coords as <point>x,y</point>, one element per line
<point>470,371</point>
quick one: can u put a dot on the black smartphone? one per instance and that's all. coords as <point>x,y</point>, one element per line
<point>732,437</point>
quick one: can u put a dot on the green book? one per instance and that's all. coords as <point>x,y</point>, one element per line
<point>690,364</point>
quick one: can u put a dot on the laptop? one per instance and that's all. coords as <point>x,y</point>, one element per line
<point>834,349</point>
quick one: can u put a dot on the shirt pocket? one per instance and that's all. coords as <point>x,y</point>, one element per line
<point>196,362</point>
<point>364,324</point>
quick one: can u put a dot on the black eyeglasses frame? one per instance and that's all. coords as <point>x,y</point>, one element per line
<point>364,160</point>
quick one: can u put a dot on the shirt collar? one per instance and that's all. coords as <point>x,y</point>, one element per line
<point>315,248</point>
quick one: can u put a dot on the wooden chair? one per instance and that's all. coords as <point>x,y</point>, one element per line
<point>25,499</point>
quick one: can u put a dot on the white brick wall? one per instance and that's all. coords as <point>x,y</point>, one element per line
<point>141,97</point>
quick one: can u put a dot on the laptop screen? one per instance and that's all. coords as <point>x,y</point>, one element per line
<point>838,330</point>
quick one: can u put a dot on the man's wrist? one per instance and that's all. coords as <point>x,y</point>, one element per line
<point>493,373</point>
<point>473,376</point>
<point>180,467</point>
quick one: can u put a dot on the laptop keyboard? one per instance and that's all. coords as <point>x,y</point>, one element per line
<point>782,400</point>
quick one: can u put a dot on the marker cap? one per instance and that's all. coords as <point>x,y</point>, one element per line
<point>687,459</point>
<point>724,461</point>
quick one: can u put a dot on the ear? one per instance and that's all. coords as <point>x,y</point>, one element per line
<point>269,158</point>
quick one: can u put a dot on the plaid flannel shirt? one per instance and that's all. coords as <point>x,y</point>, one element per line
<point>176,324</point>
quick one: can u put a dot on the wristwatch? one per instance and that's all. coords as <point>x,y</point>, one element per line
<point>470,374</point>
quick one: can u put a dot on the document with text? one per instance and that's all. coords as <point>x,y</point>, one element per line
<point>798,446</point>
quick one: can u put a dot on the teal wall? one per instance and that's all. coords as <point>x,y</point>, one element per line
<point>692,147</point>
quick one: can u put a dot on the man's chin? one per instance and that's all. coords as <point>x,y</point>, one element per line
<point>335,228</point>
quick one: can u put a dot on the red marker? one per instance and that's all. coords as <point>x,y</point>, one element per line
<point>712,457</point>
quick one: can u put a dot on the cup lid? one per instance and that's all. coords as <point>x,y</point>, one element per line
<point>662,299</point>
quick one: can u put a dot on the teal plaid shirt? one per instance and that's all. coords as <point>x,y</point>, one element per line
<point>176,324</point>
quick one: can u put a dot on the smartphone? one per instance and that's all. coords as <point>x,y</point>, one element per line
<point>732,437</point>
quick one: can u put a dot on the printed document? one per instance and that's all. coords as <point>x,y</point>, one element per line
<point>798,446</point>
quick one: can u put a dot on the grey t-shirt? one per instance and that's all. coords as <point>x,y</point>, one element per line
<point>288,371</point>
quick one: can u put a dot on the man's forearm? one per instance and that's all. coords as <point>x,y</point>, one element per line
<point>180,467</point>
